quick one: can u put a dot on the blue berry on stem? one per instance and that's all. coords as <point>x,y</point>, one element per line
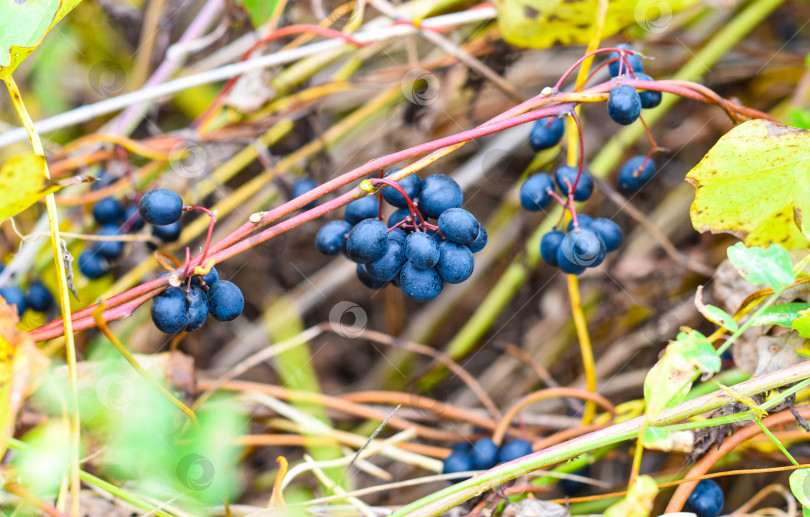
<point>367,280</point>
<point>108,210</point>
<point>546,133</point>
<point>649,98</point>
<point>567,174</point>
<point>457,462</point>
<point>170,310</point>
<point>225,300</point>
<point>14,296</point>
<point>197,308</point>
<point>331,238</point>
<point>422,250</point>
<point>133,217</point>
<point>624,104</point>
<point>609,231</point>
<point>480,242</point>
<point>167,232</point>
<point>706,499</point>
<point>484,454</point>
<point>110,250</point>
<point>535,192</point>
<point>584,221</point>
<point>161,207</point>
<point>456,262</point>
<point>411,184</point>
<point>459,226</point>
<point>367,241</point>
<point>421,285</point>
<point>92,265</point>
<point>387,267</point>
<point>364,208</point>
<point>549,245</point>
<point>39,297</point>
<point>514,450</point>
<point>636,173</point>
<point>397,234</point>
<point>398,216</point>
<point>635,62</point>
<point>209,278</point>
<point>582,248</point>
<point>301,187</point>
<point>439,192</point>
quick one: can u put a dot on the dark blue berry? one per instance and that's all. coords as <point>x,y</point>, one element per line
<point>649,98</point>
<point>422,250</point>
<point>367,280</point>
<point>636,173</point>
<point>170,310</point>
<point>209,278</point>
<point>439,192</point>
<point>457,462</point>
<point>14,296</point>
<point>456,262</point>
<point>565,264</point>
<point>706,499</point>
<point>635,62</point>
<point>411,184</point>
<point>459,226</point>
<point>167,232</point>
<point>480,242</point>
<point>549,245</point>
<point>39,297</point>
<point>484,454</point>
<point>110,250</point>
<point>546,133</point>
<point>584,220</point>
<point>582,248</point>
<point>161,207</point>
<point>514,450</point>
<point>133,219</point>
<point>567,174</point>
<point>108,210</point>
<point>387,267</point>
<point>92,265</point>
<point>364,208</point>
<point>301,187</point>
<point>421,285</point>
<point>398,216</point>
<point>367,241</point>
<point>624,104</point>
<point>225,300</point>
<point>331,238</point>
<point>197,308</point>
<point>609,231</point>
<point>535,192</point>
<point>398,235</point>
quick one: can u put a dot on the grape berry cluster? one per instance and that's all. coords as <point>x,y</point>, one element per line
<point>483,455</point>
<point>409,251</point>
<point>38,297</point>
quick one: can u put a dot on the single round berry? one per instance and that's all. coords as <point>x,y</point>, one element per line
<point>110,250</point>
<point>197,308</point>
<point>387,267</point>
<point>170,310</point>
<point>566,265</point>
<point>582,248</point>
<point>108,210</point>
<point>636,173</point>
<point>39,297</point>
<point>456,262</point>
<point>514,450</point>
<point>459,226</point>
<point>14,296</point>
<point>480,242</point>
<point>225,300</point>
<point>161,207</point>
<point>209,278</point>
<point>398,235</point>
<point>92,265</point>
<point>484,454</point>
<point>367,241</point>
<point>360,209</point>
<point>301,187</point>
<point>422,250</point>
<point>411,184</point>
<point>400,215</point>
<point>546,133</point>
<point>635,62</point>
<point>584,220</point>
<point>706,499</point>
<point>649,98</point>
<point>624,104</point>
<point>535,193</point>
<point>549,245</point>
<point>133,219</point>
<point>331,238</point>
<point>439,192</point>
<point>366,279</point>
<point>567,175</point>
<point>421,285</point>
<point>167,232</point>
<point>609,231</point>
<point>457,462</point>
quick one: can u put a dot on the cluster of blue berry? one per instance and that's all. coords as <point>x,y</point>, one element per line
<point>38,297</point>
<point>409,252</point>
<point>483,455</point>
<point>114,219</point>
<point>586,241</point>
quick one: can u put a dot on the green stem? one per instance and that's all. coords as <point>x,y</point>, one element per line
<point>776,442</point>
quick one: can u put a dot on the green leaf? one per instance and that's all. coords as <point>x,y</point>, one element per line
<point>799,118</point>
<point>783,314</point>
<point>800,486</point>
<point>639,500</point>
<point>755,183</point>
<point>23,26</point>
<point>259,10</point>
<point>669,380</point>
<point>802,324</point>
<point>542,23</point>
<point>770,266</point>
<point>720,317</point>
